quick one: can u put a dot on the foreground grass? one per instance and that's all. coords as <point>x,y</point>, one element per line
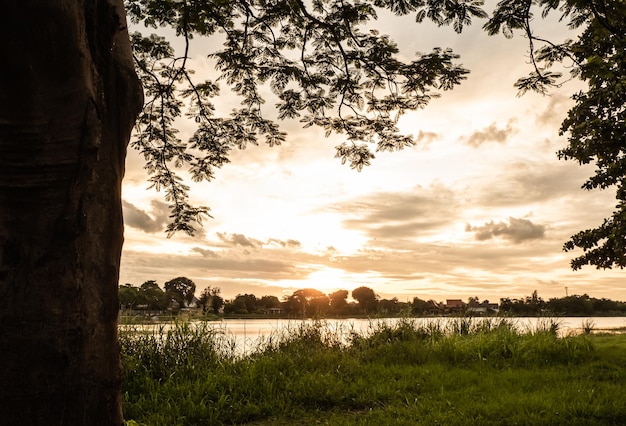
<point>473,372</point>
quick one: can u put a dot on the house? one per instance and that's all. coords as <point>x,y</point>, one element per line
<point>454,305</point>
<point>483,308</point>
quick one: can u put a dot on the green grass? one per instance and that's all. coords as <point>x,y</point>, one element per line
<point>469,373</point>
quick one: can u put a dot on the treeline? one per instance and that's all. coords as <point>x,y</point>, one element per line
<point>179,293</point>
<point>570,305</point>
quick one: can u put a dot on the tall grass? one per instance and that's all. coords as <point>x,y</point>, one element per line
<point>411,372</point>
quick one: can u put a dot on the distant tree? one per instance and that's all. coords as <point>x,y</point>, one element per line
<point>292,306</point>
<point>585,305</point>
<point>181,289</point>
<point>390,306</point>
<point>210,299</point>
<point>129,296</point>
<point>217,301</point>
<point>608,306</point>
<point>534,304</point>
<point>366,297</point>
<point>241,304</point>
<point>318,306</point>
<point>571,305</point>
<point>267,302</point>
<point>153,296</point>
<point>307,302</point>
<point>507,305</point>
<point>530,305</point>
<point>420,306</point>
<point>250,301</point>
<point>204,298</point>
<point>339,300</point>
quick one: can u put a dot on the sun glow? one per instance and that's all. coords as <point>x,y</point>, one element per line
<point>327,279</point>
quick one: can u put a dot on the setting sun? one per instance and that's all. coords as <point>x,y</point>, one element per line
<point>327,280</point>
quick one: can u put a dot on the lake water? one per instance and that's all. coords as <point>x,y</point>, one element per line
<point>245,335</point>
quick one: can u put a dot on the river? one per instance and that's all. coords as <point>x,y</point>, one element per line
<point>245,335</point>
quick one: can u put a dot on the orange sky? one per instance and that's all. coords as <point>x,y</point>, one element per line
<point>479,207</point>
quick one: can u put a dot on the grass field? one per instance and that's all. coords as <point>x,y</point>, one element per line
<point>471,372</point>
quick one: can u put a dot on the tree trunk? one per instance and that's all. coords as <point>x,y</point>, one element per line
<point>68,99</point>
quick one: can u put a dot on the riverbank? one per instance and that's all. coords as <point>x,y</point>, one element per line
<point>482,372</point>
<point>126,318</point>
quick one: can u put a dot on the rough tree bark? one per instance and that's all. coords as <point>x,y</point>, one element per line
<point>68,99</point>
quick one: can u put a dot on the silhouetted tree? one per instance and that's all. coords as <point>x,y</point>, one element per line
<point>268,302</point>
<point>608,306</point>
<point>595,126</point>
<point>68,100</point>
<point>390,306</point>
<point>530,305</point>
<point>241,304</point>
<point>366,297</point>
<point>339,300</point>
<point>181,290</point>
<point>153,295</point>
<point>210,299</point>
<point>571,305</point>
<point>307,302</point>
<point>420,306</point>
<point>204,298</point>
<point>217,301</point>
<point>129,296</point>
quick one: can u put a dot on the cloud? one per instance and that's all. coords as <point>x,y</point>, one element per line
<point>238,240</point>
<point>392,215</point>
<point>231,266</point>
<point>205,252</point>
<point>414,228</point>
<point>491,134</point>
<point>150,223</point>
<point>235,239</point>
<point>554,112</point>
<point>533,182</point>
<point>424,139</point>
<point>289,243</point>
<point>516,231</point>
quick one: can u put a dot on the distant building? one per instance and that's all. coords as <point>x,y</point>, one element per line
<point>483,308</point>
<point>454,304</point>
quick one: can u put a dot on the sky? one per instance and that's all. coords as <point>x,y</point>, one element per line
<point>479,207</point>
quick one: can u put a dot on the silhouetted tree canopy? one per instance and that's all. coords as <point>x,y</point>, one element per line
<point>596,125</point>
<point>338,299</point>
<point>366,297</point>
<point>327,69</point>
<point>307,302</point>
<point>210,299</point>
<point>321,61</point>
<point>242,304</point>
<point>181,289</point>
